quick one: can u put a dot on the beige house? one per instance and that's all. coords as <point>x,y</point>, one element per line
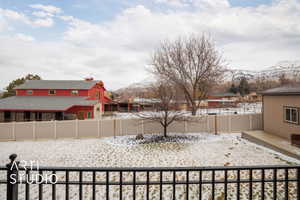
<point>281,107</point>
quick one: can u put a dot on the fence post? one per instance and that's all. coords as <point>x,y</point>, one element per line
<point>229,123</point>
<point>98,127</point>
<point>250,122</point>
<point>77,131</point>
<point>115,126</point>
<point>207,124</point>
<point>14,130</point>
<point>216,125</point>
<point>33,130</point>
<point>12,177</point>
<point>55,130</point>
<point>121,131</point>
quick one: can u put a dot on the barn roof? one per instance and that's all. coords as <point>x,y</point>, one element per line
<point>43,103</point>
<point>285,90</point>
<point>58,84</point>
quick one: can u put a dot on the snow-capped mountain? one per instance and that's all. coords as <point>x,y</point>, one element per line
<point>290,69</point>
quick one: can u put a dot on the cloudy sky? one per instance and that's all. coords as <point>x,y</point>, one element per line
<point>112,40</point>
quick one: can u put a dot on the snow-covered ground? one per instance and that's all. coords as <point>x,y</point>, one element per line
<point>201,149</point>
<point>242,108</point>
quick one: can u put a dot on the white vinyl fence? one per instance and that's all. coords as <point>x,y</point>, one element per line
<point>96,128</point>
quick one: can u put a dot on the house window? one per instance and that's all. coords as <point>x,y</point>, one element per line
<point>74,92</point>
<point>52,92</point>
<point>291,115</point>
<point>29,92</point>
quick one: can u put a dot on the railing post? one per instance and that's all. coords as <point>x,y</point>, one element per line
<point>12,178</point>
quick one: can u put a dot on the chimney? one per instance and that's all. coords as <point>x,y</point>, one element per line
<point>89,78</point>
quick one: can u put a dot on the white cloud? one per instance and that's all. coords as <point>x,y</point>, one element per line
<point>46,22</point>
<point>11,15</point>
<point>47,8</point>
<point>175,3</point>
<point>204,4</point>
<point>24,37</point>
<point>42,14</point>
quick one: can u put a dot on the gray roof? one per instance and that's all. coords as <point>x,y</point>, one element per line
<point>43,103</point>
<point>224,94</point>
<point>285,90</point>
<point>57,84</point>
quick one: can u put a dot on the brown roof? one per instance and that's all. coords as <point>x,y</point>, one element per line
<point>285,90</point>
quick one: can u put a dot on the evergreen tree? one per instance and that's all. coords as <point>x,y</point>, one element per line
<point>244,88</point>
<point>233,89</point>
<point>10,88</point>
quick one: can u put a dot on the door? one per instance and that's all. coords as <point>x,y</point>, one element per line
<point>59,116</point>
<point>27,116</point>
<point>7,116</point>
<point>80,115</point>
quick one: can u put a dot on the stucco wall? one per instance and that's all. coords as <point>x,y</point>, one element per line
<point>274,115</point>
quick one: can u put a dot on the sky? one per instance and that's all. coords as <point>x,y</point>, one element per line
<point>113,40</point>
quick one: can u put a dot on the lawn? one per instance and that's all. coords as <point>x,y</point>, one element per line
<point>180,150</point>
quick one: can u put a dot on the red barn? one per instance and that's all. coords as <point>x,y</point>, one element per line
<point>55,100</point>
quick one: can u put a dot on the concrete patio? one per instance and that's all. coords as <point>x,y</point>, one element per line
<point>272,141</point>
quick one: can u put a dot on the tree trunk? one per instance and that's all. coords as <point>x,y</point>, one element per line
<point>165,131</point>
<point>194,110</point>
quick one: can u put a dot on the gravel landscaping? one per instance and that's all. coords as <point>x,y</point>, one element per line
<point>179,150</point>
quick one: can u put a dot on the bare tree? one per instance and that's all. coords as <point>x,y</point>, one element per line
<point>167,110</point>
<point>192,64</point>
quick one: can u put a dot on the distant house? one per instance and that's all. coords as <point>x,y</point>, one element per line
<point>224,95</point>
<point>252,97</point>
<point>221,103</point>
<point>55,100</point>
<point>281,108</point>
<point>1,93</point>
<point>222,99</point>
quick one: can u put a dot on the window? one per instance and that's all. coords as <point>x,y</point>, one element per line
<point>29,92</point>
<point>52,92</point>
<point>74,92</point>
<point>291,114</point>
<point>97,95</point>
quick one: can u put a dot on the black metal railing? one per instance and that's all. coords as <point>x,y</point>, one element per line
<point>242,182</point>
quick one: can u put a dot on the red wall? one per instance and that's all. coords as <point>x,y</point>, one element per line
<point>214,103</point>
<point>90,94</point>
<point>84,109</point>
<point>38,92</point>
